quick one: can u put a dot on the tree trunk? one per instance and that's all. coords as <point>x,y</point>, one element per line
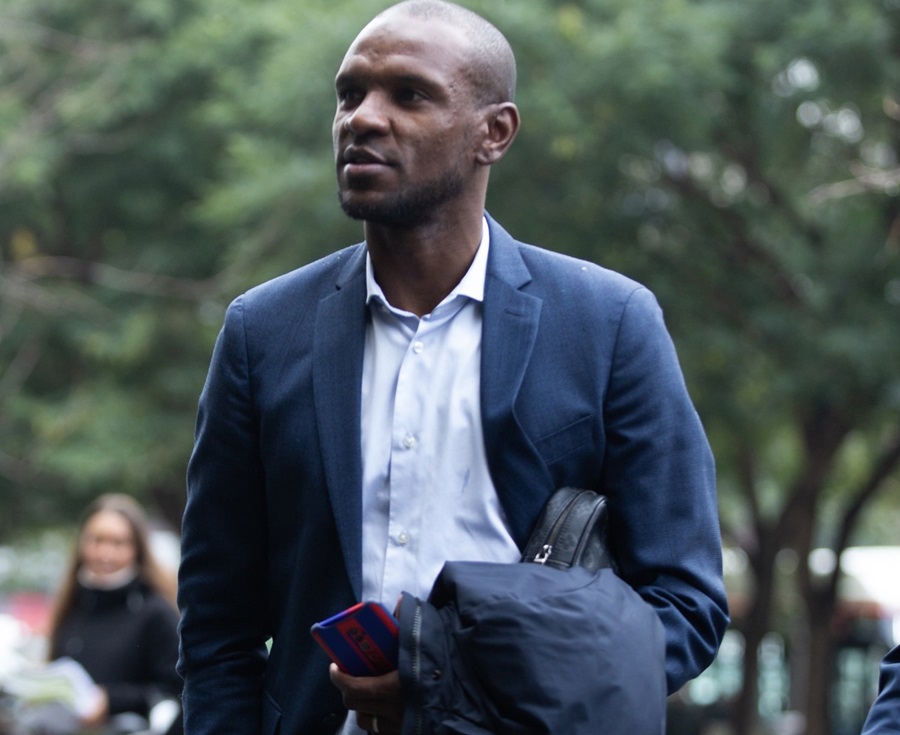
<point>824,433</point>
<point>746,714</point>
<point>820,662</point>
<point>756,625</point>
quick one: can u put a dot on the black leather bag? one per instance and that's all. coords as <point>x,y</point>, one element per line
<point>571,531</point>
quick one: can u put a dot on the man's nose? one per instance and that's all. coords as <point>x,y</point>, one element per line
<point>370,115</point>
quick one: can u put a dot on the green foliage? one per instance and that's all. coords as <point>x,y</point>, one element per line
<point>159,156</point>
<point>104,273</point>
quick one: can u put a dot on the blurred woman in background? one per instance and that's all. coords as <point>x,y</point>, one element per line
<point>115,613</point>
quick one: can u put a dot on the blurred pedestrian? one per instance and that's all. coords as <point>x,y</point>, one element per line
<point>115,613</point>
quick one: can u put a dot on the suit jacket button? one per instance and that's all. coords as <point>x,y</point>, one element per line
<point>333,719</point>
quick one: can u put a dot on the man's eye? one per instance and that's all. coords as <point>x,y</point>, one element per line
<point>410,95</point>
<point>349,96</point>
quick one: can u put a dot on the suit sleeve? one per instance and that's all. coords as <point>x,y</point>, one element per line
<point>222,579</point>
<point>660,476</point>
<point>884,717</point>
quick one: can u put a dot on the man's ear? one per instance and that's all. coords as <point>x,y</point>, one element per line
<point>502,124</point>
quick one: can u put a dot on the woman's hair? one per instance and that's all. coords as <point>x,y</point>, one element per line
<point>148,568</point>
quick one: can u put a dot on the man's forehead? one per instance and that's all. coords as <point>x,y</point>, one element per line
<point>421,40</point>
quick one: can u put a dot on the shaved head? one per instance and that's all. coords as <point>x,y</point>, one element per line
<point>492,66</point>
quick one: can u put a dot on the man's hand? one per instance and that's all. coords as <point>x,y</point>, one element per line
<point>377,700</point>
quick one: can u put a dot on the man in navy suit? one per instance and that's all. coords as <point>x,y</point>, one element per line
<point>417,398</point>
<point>884,717</point>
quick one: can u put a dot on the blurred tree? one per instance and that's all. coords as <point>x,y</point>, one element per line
<point>106,271</point>
<point>156,158</point>
<point>741,159</point>
<point>159,156</point>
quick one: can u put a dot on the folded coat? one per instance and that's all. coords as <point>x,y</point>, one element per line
<point>523,648</point>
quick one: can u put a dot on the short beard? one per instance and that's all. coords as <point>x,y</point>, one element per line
<point>408,208</point>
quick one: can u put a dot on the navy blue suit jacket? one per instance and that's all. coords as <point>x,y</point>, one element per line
<point>580,386</point>
<point>884,717</point>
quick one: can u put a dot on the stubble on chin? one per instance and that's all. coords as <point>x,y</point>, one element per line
<point>391,214</point>
<point>405,209</point>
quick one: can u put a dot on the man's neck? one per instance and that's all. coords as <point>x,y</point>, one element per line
<point>417,267</point>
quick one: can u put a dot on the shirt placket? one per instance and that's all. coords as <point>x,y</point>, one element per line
<point>407,472</point>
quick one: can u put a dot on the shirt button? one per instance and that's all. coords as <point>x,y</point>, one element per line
<point>418,346</point>
<point>409,441</point>
<point>403,537</point>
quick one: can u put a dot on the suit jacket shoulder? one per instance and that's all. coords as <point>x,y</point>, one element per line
<point>548,266</point>
<point>308,283</point>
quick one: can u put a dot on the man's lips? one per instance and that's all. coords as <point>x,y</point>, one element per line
<point>361,160</point>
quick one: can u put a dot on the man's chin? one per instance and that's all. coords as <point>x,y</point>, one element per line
<point>380,213</point>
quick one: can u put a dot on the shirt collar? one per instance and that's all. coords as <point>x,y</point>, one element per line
<point>471,285</point>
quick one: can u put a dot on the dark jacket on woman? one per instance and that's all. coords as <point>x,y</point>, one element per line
<point>127,640</point>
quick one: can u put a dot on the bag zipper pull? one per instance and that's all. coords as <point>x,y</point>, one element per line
<point>547,549</point>
<point>544,554</point>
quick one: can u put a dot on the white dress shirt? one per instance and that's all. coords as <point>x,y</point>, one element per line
<point>427,495</point>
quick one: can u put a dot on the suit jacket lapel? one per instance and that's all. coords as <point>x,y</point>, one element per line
<point>511,319</point>
<point>337,375</point>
